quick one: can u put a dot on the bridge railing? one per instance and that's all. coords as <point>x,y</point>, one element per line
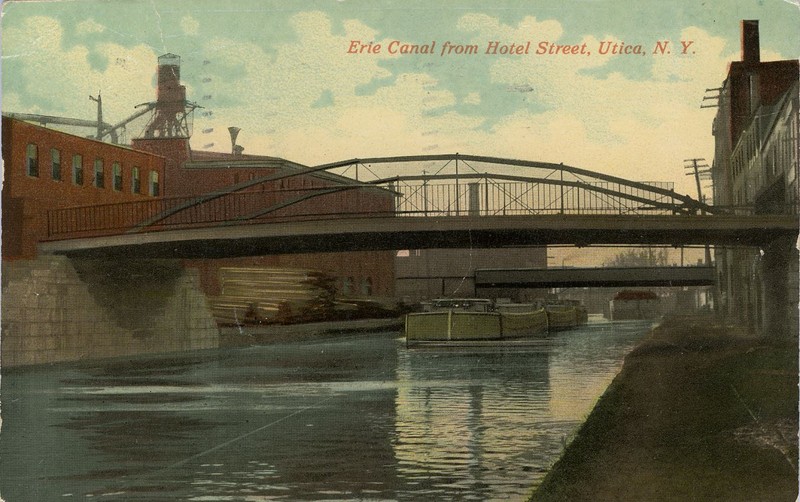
<point>239,208</point>
<point>492,197</point>
<point>464,194</point>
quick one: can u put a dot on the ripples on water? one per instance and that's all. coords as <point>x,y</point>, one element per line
<point>360,418</point>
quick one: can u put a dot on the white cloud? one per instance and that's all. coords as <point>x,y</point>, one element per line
<point>473,98</point>
<point>190,25</point>
<point>66,78</point>
<point>89,26</point>
<point>654,125</point>
<point>655,122</point>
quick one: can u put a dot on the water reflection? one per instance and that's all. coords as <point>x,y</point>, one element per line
<point>469,420</point>
<point>346,419</point>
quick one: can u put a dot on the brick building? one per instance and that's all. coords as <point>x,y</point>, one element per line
<point>755,170</point>
<point>423,274</point>
<point>46,169</point>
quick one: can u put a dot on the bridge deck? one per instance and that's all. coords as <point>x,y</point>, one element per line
<point>596,277</point>
<point>392,233</point>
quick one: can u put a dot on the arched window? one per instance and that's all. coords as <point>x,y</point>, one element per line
<point>77,169</point>
<point>32,160</point>
<point>154,183</point>
<point>347,285</point>
<point>117,173</point>
<point>136,183</point>
<point>99,180</point>
<point>55,157</point>
<point>366,286</point>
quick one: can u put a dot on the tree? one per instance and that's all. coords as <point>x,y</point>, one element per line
<point>640,257</point>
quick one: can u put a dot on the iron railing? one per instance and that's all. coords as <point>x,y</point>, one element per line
<point>490,197</point>
<point>547,189</point>
<point>188,212</point>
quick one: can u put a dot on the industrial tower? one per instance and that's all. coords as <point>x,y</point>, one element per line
<point>172,114</point>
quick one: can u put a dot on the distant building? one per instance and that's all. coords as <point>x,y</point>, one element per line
<point>424,274</point>
<point>755,170</point>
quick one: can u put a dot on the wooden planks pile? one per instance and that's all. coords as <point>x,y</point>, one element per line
<point>273,295</point>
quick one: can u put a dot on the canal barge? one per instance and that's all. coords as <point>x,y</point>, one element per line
<point>458,320</point>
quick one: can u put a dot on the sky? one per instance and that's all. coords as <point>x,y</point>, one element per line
<point>285,73</point>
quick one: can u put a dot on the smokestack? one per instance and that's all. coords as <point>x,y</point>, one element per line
<point>751,50</point>
<point>234,133</point>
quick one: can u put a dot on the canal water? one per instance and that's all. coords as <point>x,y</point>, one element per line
<point>347,418</point>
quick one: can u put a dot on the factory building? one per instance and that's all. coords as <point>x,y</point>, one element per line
<point>47,168</point>
<point>755,171</point>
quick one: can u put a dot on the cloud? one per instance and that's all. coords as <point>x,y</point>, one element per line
<point>190,25</point>
<point>61,80</point>
<point>636,128</point>
<point>89,26</point>
<point>473,98</point>
<point>304,98</point>
<point>655,123</point>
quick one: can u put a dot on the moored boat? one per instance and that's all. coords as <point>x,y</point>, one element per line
<point>468,319</point>
<point>457,319</point>
<point>522,320</point>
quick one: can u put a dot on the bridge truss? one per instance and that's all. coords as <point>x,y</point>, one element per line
<point>453,185</point>
<point>424,185</point>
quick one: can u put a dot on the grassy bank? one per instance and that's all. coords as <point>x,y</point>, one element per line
<point>699,412</point>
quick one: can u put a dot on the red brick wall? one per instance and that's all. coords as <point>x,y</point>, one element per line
<point>27,199</point>
<point>176,153</point>
<point>190,181</point>
<point>774,78</point>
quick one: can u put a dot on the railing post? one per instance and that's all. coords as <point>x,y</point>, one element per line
<point>424,194</point>
<point>458,195</point>
<point>486,193</point>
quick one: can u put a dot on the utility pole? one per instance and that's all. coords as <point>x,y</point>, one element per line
<point>99,101</point>
<point>694,167</point>
<point>698,170</point>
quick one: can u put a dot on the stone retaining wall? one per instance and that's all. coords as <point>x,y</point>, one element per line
<point>54,309</point>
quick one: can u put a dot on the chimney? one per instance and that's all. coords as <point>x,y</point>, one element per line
<point>751,51</point>
<point>234,133</point>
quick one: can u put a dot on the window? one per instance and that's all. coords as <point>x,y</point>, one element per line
<point>77,169</point>
<point>99,182</point>
<point>136,184</point>
<point>117,174</point>
<point>55,157</point>
<point>366,286</point>
<point>32,160</point>
<point>347,286</point>
<point>153,183</point>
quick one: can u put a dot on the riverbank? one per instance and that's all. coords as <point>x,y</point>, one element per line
<point>234,336</point>
<point>699,412</point>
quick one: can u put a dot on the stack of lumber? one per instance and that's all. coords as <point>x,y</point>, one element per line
<point>272,295</point>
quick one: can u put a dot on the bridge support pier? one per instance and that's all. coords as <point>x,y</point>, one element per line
<point>55,309</point>
<point>779,274</point>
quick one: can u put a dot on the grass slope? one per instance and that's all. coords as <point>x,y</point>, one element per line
<point>698,413</point>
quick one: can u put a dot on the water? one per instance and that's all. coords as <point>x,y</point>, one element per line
<point>351,418</point>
